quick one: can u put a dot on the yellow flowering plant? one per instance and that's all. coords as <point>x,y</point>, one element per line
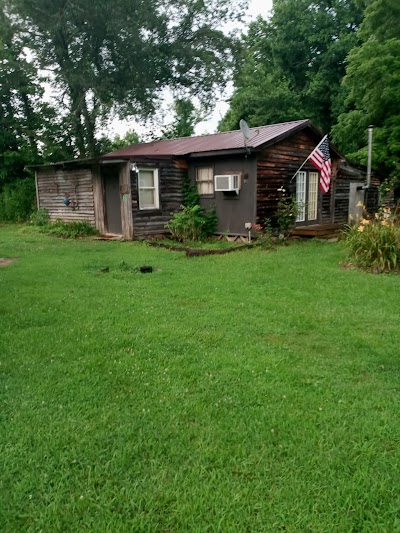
<point>374,243</point>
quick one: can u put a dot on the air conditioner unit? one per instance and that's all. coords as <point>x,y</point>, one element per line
<point>227,182</point>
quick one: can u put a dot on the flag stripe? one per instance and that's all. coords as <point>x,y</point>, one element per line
<point>321,159</point>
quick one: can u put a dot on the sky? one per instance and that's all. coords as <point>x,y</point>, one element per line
<point>256,8</point>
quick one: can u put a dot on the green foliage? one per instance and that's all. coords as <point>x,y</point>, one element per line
<point>286,214</point>
<point>191,196</point>
<point>106,145</point>
<point>292,64</point>
<point>193,223</point>
<point>375,244</point>
<point>17,201</point>
<point>69,230</point>
<point>185,118</point>
<point>210,223</point>
<point>109,58</point>
<point>264,235</point>
<point>40,217</point>
<point>188,224</point>
<point>372,83</point>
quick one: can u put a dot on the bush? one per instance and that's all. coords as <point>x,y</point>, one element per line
<point>264,235</point>
<point>210,224</point>
<point>188,224</point>
<point>69,230</point>
<point>17,200</point>
<point>40,218</point>
<point>286,214</point>
<point>375,244</point>
<point>192,224</point>
<point>191,196</point>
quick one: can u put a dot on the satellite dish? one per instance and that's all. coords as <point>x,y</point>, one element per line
<point>244,128</point>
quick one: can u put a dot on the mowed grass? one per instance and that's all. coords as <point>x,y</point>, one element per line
<point>249,392</point>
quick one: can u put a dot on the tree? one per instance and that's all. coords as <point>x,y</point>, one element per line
<point>107,145</point>
<point>117,57</point>
<point>19,96</point>
<point>372,82</point>
<point>184,120</point>
<point>30,130</point>
<point>293,63</point>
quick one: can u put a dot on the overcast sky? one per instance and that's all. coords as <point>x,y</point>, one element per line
<point>256,7</point>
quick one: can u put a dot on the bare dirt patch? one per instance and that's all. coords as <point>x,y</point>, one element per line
<point>5,261</point>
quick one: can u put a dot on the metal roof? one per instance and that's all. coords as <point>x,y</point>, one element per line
<point>230,140</point>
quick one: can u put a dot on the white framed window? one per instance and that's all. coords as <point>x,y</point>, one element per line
<point>312,196</point>
<point>205,180</point>
<point>301,196</point>
<point>148,188</point>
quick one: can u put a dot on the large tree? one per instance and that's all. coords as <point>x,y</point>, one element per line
<point>293,63</point>
<point>20,105</point>
<point>373,86</point>
<point>118,56</point>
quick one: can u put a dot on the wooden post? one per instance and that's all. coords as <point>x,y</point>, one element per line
<point>98,196</point>
<point>37,190</point>
<point>126,201</point>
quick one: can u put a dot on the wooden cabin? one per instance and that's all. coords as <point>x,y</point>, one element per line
<point>134,191</point>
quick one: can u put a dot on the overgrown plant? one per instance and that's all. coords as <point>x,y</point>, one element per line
<point>191,195</point>
<point>374,243</point>
<point>188,224</point>
<point>264,235</point>
<point>193,223</point>
<point>286,213</point>
<point>68,230</point>
<point>40,217</point>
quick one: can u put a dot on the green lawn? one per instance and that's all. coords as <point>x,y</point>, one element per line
<point>249,392</point>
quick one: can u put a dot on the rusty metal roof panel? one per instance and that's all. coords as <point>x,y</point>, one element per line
<point>229,140</point>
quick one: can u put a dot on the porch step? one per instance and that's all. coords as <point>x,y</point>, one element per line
<point>320,231</point>
<point>108,237</point>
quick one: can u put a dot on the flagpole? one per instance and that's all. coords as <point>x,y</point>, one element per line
<point>316,148</point>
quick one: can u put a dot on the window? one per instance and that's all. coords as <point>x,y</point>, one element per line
<point>148,188</point>
<point>307,196</point>
<point>205,180</point>
<point>313,196</point>
<point>301,196</point>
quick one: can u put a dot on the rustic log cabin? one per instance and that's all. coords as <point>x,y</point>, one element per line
<point>134,191</point>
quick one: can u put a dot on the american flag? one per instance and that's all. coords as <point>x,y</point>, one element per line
<point>321,159</point>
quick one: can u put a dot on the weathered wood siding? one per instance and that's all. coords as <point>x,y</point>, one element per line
<point>276,167</point>
<point>151,223</point>
<point>98,196</point>
<point>348,174</point>
<point>54,184</point>
<point>126,201</point>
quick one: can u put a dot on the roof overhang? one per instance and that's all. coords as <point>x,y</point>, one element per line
<point>214,153</point>
<point>63,164</point>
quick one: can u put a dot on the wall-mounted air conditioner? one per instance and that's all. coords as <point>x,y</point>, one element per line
<point>227,182</point>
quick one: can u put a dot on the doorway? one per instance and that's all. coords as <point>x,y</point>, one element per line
<point>307,186</point>
<point>356,202</point>
<point>112,200</point>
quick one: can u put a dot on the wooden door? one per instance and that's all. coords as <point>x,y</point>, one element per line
<point>113,203</point>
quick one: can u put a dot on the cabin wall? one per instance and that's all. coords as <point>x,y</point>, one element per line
<point>276,167</point>
<point>151,223</point>
<point>347,175</point>
<point>53,184</point>
<point>233,210</point>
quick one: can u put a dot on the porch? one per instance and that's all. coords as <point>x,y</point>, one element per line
<point>320,231</point>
